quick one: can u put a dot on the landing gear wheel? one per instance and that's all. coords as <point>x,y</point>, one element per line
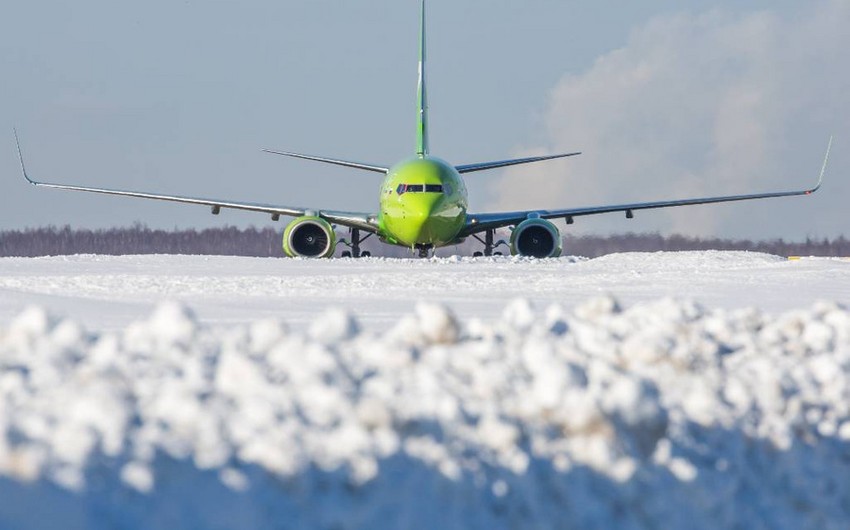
<point>354,245</point>
<point>477,254</point>
<point>488,243</point>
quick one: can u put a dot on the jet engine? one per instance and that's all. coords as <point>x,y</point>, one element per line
<point>309,237</point>
<point>536,238</point>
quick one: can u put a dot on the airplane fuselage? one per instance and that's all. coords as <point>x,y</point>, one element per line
<point>423,203</point>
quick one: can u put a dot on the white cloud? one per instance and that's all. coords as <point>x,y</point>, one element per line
<point>694,105</point>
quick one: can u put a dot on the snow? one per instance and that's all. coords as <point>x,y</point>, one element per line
<point>104,292</point>
<point>725,405</point>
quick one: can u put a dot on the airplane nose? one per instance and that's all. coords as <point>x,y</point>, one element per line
<point>422,208</point>
<point>422,216</point>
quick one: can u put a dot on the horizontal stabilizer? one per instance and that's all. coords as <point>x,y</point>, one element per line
<point>505,163</point>
<point>344,163</point>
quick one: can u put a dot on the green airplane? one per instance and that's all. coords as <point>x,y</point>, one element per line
<point>423,203</point>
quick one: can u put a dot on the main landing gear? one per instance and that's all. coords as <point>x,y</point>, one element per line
<point>354,245</point>
<point>489,245</point>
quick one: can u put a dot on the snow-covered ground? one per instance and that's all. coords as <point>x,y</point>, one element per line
<point>423,394</point>
<point>110,292</point>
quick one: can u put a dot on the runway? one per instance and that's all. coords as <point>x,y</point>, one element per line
<point>107,293</point>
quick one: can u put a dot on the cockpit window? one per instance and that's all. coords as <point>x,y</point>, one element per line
<point>419,188</point>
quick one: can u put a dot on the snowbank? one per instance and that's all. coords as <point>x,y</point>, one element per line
<point>661,415</point>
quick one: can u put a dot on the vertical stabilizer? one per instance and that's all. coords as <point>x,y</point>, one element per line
<point>421,96</point>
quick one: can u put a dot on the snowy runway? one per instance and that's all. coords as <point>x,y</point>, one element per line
<point>110,292</point>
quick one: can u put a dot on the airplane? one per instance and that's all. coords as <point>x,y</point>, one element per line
<point>423,203</point>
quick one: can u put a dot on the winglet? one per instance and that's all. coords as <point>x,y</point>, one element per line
<point>823,168</point>
<point>21,158</point>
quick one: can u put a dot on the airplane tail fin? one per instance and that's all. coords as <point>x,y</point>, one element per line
<point>422,97</point>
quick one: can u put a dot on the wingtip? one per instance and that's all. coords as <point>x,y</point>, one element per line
<point>21,158</point>
<point>823,167</point>
<point>825,164</point>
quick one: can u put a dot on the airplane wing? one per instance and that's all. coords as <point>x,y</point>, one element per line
<point>363,221</point>
<point>487,221</point>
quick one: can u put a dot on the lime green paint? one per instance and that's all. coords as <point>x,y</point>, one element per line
<point>318,221</point>
<point>421,95</point>
<point>422,219</point>
<point>429,219</point>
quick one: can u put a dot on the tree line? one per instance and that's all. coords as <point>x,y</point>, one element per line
<point>266,242</point>
<point>139,239</point>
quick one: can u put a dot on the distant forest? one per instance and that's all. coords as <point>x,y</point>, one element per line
<point>266,242</point>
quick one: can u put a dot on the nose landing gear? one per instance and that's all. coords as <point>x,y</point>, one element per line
<point>425,251</point>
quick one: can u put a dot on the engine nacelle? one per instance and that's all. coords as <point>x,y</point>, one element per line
<point>309,237</point>
<point>536,238</point>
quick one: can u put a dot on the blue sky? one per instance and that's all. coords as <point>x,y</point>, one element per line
<point>666,101</point>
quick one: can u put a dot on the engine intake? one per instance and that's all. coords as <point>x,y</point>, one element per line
<point>536,238</point>
<point>309,237</point>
